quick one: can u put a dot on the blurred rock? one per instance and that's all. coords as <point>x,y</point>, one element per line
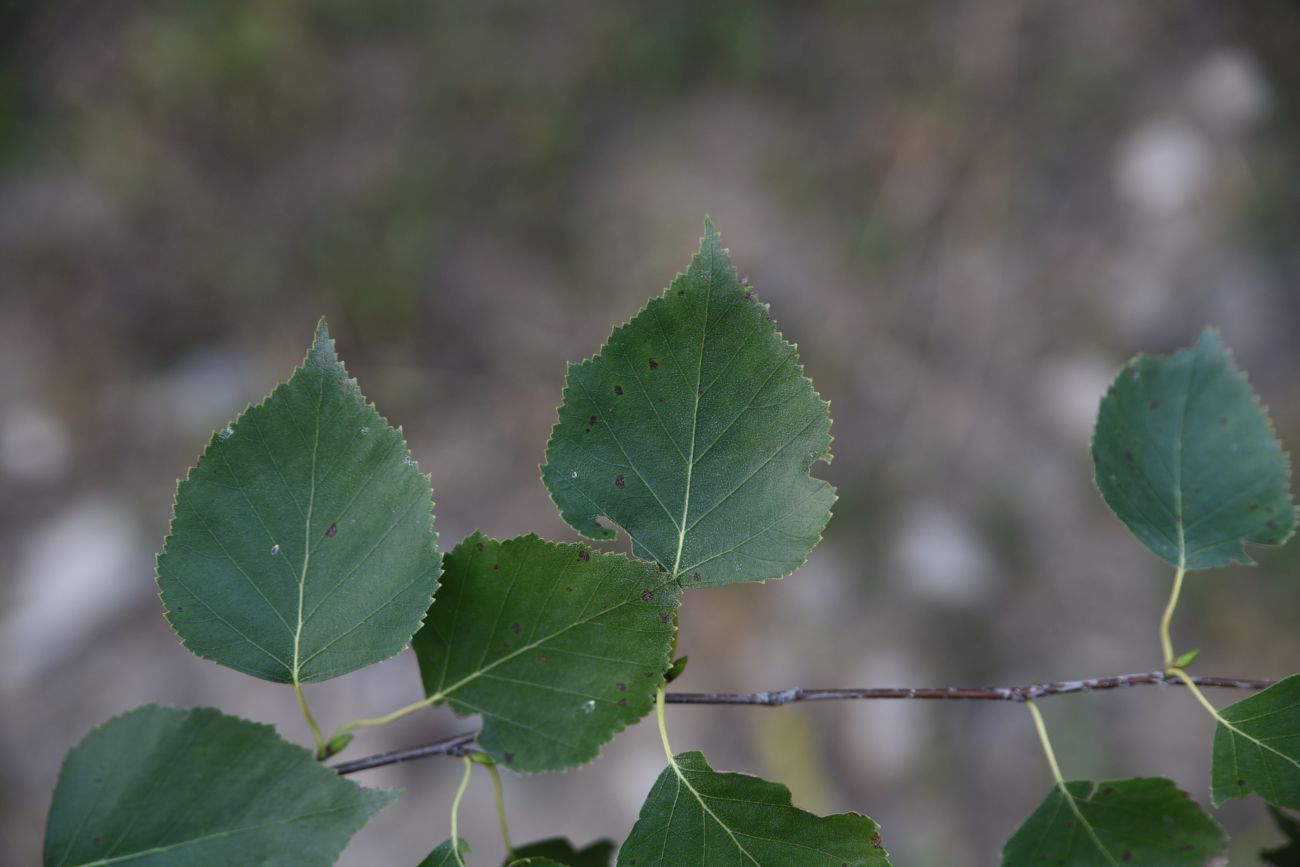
<point>34,445</point>
<point>938,556</point>
<point>1163,166</point>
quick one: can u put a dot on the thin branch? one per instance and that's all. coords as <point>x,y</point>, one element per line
<point>458,745</point>
<point>996,693</point>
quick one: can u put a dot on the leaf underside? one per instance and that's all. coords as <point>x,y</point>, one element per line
<point>558,647</point>
<point>161,786</point>
<point>445,855</point>
<point>561,851</point>
<point>1148,822</point>
<point>1186,457</point>
<point>1259,748</point>
<point>696,815</point>
<point>302,544</point>
<point>693,429</point>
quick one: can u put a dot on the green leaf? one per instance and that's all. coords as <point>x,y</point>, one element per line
<point>1148,822</point>
<point>1185,660</point>
<point>446,855</point>
<point>561,851</point>
<point>557,646</point>
<point>196,787</point>
<point>696,815</point>
<point>1288,855</point>
<point>1186,457</point>
<point>536,862</point>
<point>1257,747</point>
<point>694,430</point>
<point>302,545</point>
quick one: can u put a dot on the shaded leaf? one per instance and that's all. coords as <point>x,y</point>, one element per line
<point>696,815</point>
<point>558,647</point>
<point>561,851</point>
<point>1186,457</point>
<point>1148,822</point>
<point>302,544</point>
<point>1288,855</point>
<point>446,855</point>
<point>693,429</point>
<point>1257,747</point>
<point>196,787</point>
<point>536,862</point>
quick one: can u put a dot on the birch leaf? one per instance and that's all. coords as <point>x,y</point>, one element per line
<point>1257,747</point>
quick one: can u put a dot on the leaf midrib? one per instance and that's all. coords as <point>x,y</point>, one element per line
<point>307,538</point>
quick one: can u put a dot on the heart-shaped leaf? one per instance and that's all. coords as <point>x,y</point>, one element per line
<point>1186,457</point>
<point>696,815</point>
<point>694,429</point>
<point>196,787</point>
<point>557,646</point>
<point>561,851</point>
<point>302,545</point>
<point>1148,822</point>
<point>1257,747</point>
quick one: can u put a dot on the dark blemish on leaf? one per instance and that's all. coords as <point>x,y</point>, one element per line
<point>618,483</point>
<point>1268,509</point>
<point>1153,405</point>
<point>543,659</point>
<point>99,841</point>
<point>510,757</point>
<point>1107,791</point>
<point>583,556</point>
<point>647,595</point>
<point>680,293</point>
<point>1196,492</point>
<point>649,674</point>
<point>875,839</point>
<point>568,589</point>
<point>1252,507</point>
<point>621,686</point>
<point>618,389</point>
<point>1127,856</point>
<point>516,628</point>
<point>99,779</point>
<point>1133,373</point>
<point>654,365</point>
<point>496,566</point>
<point>665,616</point>
<point>622,702</point>
<point>696,577</point>
<point>1241,782</point>
<point>478,546</point>
<point>180,609</point>
<point>1128,456</point>
<point>1272,525</point>
<point>332,531</point>
<point>505,644</point>
<point>659,400</point>
<point>606,606</point>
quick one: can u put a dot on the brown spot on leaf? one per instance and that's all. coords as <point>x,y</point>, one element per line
<point>543,659</point>
<point>654,364</point>
<point>583,556</point>
<point>591,420</point>
<point>622,702</point>
<point>875,839</point>
<point>510,757</point>
<point>333,530</point>
<point>696,578</point>
<point>621,686</point>
<point>665,616</point>
<point>1153,405</point>
<point>478,546</point>
<point>618,482</point>
<point>647,595</point>
<point>516,628</point>
<point>618,389</point>
<point>568,589</point>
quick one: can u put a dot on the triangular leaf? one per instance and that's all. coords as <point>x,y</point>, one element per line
<point>302,545</point>
<point>694,429</point>
<point>561,851</point>
<point>1148,822</point>
<point>1186,457</point>
<point>446,855</point>
<point>696,815</point>
<point>557,646</point>
<point>1258,749</point>
<point>196,787</point>
<point>1288,855</point>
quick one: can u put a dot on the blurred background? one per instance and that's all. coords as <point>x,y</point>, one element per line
<point>968,214</point>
